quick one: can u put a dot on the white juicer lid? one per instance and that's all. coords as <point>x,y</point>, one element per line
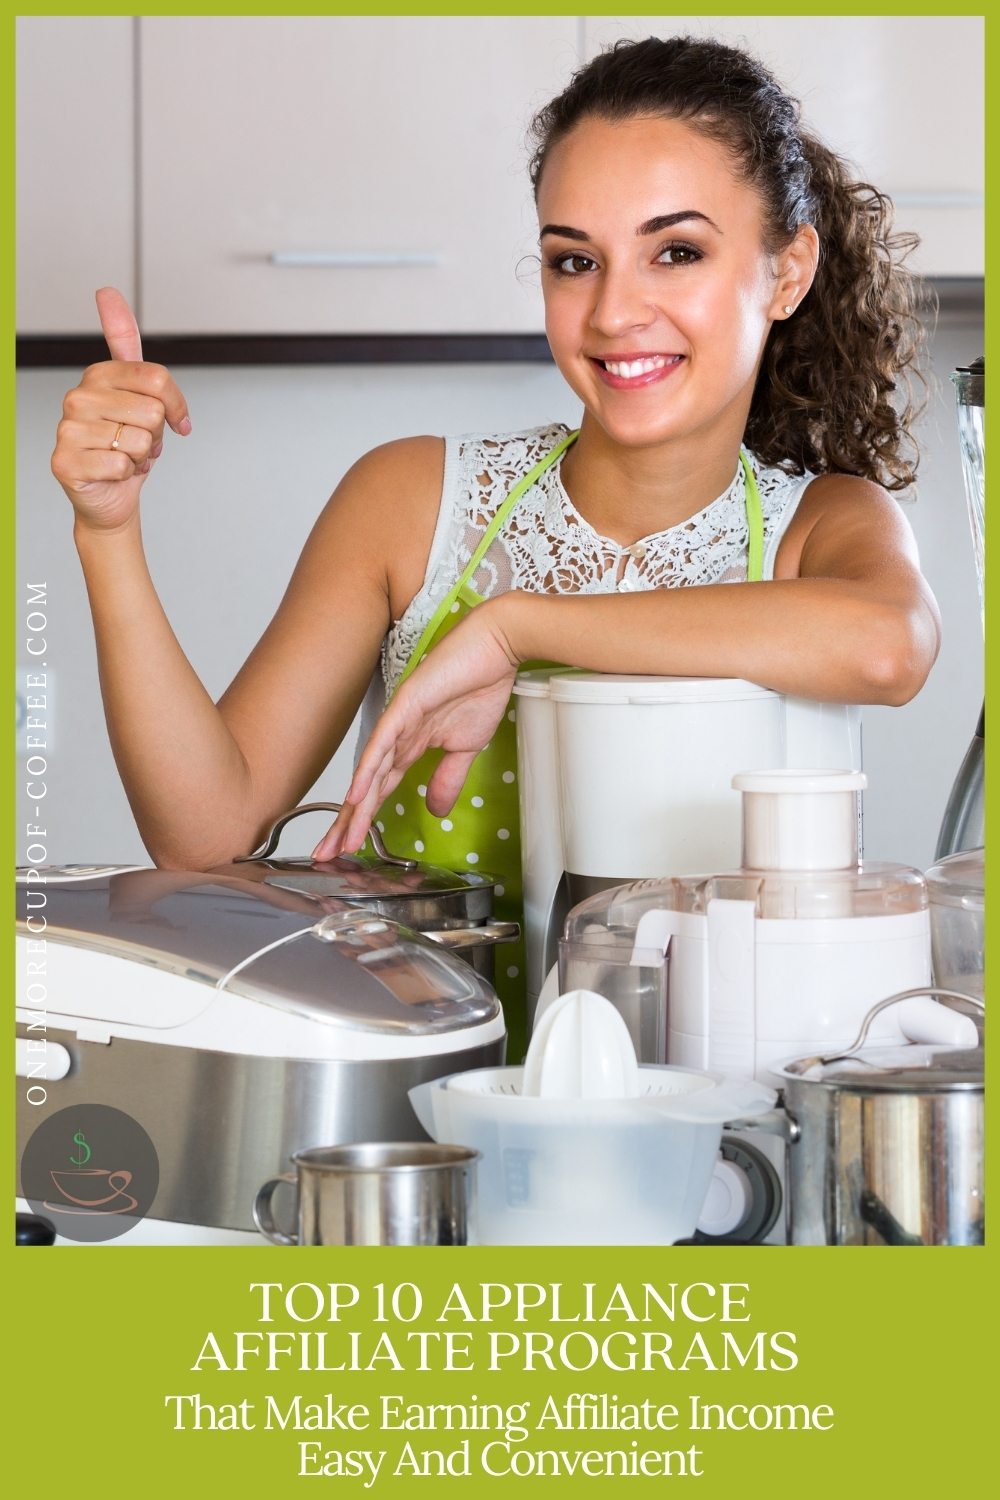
<point>613,688</point>
<point>534,683</point>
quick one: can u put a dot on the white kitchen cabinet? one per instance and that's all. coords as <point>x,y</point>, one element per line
<point>899,96</point>
<point>349,174</point>
<point>75,168</point>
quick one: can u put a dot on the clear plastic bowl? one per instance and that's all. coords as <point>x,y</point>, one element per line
<point>955,892</point>
<point>588,1171</point>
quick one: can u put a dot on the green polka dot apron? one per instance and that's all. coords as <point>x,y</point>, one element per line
<point>482,831</point>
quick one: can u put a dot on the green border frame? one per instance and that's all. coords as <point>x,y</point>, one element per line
<point>901,1347</point>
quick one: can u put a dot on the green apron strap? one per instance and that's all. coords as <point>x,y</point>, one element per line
<point>755,523</point>
<point>755,544</point>
<point>444,608</point>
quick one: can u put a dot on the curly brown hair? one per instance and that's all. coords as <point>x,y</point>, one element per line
<point>834,392</point>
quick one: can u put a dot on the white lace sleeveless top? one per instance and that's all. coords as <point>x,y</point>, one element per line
<point>546,547</point>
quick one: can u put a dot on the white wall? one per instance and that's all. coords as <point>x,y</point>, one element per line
<point>228,509</point>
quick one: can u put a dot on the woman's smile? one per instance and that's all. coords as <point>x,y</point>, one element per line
<point>630,372</point>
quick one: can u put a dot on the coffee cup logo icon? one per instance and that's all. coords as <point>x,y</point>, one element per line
<point>92,1170</point>
<point>92,1188</point>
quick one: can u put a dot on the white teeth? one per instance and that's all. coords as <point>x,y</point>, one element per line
<point>629,370</point>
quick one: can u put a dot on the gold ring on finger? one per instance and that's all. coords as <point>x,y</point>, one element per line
<point>117,437</point>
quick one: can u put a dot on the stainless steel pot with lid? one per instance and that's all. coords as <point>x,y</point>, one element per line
<point>886,1143</point>
<point>453,908</point>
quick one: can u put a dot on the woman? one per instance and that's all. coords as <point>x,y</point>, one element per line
<point>711,279</point>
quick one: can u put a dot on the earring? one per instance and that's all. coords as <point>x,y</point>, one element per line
<point>788,309</point>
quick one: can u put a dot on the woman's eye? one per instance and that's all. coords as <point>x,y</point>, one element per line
<point>679,255</point>
<point>572,264</point>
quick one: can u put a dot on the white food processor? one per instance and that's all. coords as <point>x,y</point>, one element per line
<point>583,1145</point>
<point>780,957</point>
<point>623,778</point>
<point>783,954</point>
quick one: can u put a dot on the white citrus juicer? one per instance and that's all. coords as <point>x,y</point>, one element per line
<point>583,1145</point>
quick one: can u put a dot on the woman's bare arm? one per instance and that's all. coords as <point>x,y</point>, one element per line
<point>203,780</point>
<point>848,618</point>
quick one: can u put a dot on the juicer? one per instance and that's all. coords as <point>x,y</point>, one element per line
<point>623,778</point>
<point>782,955</point>
<point>583,1145</point>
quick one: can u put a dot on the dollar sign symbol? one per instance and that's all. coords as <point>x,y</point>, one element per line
<point>80,1140</point>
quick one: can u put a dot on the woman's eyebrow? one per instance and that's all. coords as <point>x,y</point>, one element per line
<point>667,221</point>
<point>651,226</point>
<point>564,230</point>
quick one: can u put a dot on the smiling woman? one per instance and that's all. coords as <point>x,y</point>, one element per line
<point>711,276</point>
<point>687,296</point>
<point>855,338</point>
<point>731,311</point>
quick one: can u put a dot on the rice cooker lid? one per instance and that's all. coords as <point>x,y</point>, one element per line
<point>346,968</point>
<point>374,975</point>
<point>903,1069</point>
<point>613,688</point>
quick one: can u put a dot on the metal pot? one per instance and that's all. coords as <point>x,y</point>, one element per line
<point>886,1144</point>
<point>453,909</point>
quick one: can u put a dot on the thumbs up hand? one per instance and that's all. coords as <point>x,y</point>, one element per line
<point>111,433</point>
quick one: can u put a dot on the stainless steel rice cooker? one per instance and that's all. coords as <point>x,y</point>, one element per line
<point>237,1021</point>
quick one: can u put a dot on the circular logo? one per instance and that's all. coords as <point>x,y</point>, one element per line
<point>91,1170</point>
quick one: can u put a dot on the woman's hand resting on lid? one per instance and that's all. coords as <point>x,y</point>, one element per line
<point>453,701</point>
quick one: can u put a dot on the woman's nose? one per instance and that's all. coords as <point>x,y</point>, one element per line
<point>622,303</point>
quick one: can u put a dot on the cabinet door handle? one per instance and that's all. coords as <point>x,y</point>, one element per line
<point>352,258</point>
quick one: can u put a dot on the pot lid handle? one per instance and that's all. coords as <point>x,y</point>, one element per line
<point>488,933</point>
<point>271,841</point>
<point>945,997</point>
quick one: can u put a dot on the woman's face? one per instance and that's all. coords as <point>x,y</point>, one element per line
<point>659,293</point>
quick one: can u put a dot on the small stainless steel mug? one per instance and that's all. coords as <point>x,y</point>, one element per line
<point>377,1194</point>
